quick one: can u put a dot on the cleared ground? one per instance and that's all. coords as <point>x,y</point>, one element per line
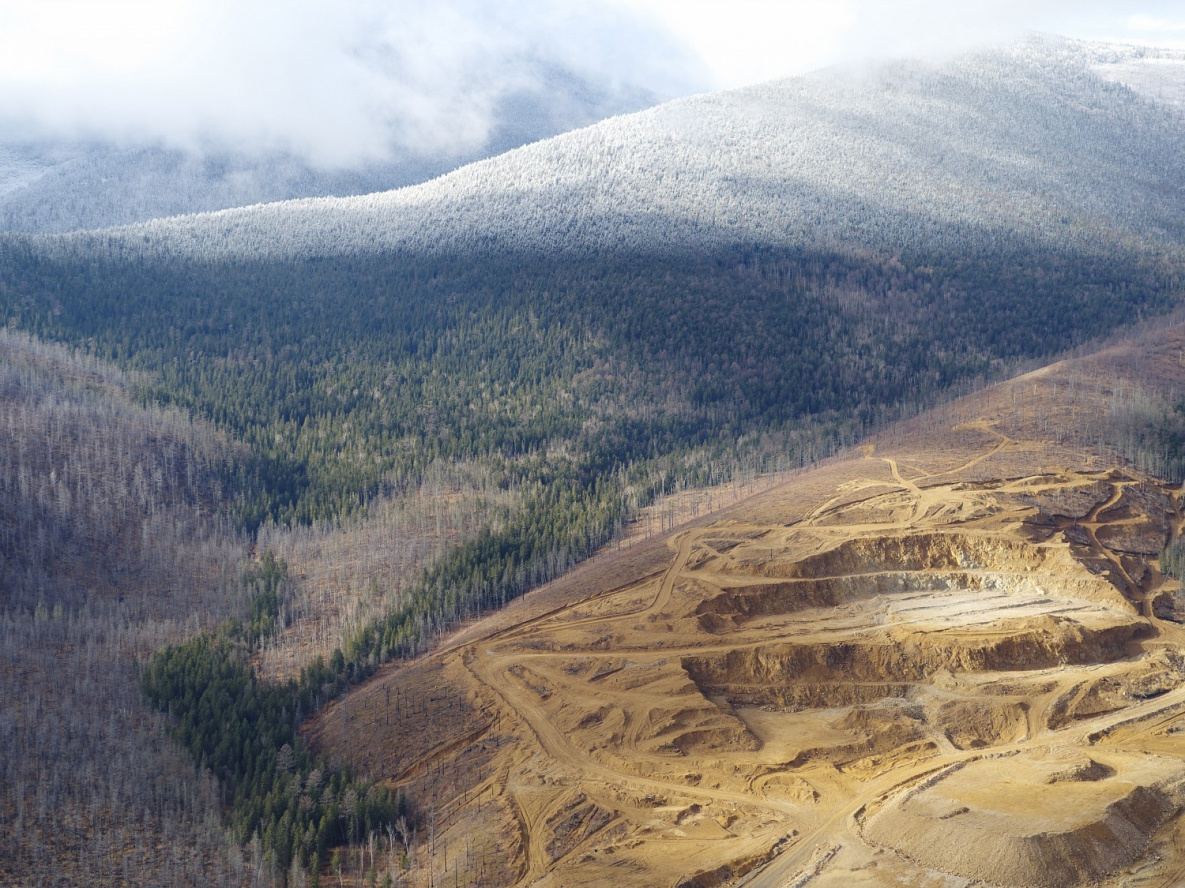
<point>948,659</point>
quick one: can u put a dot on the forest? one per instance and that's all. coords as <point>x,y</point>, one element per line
<point>349,376</point>
<point>493,386</point>
<point>583,388</point>
<point>123,583</point>
<point>109,550</point>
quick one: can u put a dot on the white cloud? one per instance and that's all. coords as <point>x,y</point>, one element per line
<point>747,41</point>
<point>1158,30</point>
<point>744,41</point>
<point>336,82</point>
<point>1151,23</point>
<point>340,82</point>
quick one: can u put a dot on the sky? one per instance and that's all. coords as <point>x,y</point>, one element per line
<point>346,82</point>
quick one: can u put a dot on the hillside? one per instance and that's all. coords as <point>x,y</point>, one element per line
<point>118,550</point>
<point>950,656</point>
<point>54,186</point>
<point>1041,141</point>
<point>587,323</point>
<point>108,550</point>
<point>409,409</point>
<point>722,265</point>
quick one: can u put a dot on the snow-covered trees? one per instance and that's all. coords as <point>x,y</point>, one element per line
<point>1039,140</point>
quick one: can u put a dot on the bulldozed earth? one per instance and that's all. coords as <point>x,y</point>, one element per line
<point>949,657</point>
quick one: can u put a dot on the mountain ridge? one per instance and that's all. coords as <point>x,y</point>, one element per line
<point>713,267</point>
<point>978,131</point>
<point>54,186</point>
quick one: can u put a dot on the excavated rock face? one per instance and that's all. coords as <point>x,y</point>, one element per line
<point>930,670</point>
<point>805,675</point>
<point>883,613</point>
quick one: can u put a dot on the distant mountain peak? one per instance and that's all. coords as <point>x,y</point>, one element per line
<point>63,186</point>
<point>1029,141</point>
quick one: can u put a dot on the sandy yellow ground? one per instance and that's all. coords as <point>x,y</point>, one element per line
<point>943,659</point>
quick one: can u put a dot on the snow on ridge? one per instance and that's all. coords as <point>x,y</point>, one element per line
<point>1028,139</point>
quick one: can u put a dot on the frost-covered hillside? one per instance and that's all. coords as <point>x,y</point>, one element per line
<point>1043,141</point>
<point>64,186</point>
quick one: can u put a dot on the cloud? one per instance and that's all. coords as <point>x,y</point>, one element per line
<point>1160,30</point>
<point>343,82</point>
<point>1151,23</point>
<point>748,41</point>
<point>745,41</point>
<point>334,82</point>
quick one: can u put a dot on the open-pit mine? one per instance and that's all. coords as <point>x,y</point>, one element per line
<point>947,658</point>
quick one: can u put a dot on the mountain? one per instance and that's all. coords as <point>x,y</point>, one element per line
<point>1042,142</point>
<point>48,186</point>
<point>815,250</point>
<point>437,399</point>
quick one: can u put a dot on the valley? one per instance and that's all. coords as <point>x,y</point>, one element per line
<point>775,486</point>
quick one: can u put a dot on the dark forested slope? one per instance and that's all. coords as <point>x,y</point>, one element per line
<point>825,246</point>
<point>819,248</point>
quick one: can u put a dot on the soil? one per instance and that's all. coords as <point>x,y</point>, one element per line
<point>943,659</point>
